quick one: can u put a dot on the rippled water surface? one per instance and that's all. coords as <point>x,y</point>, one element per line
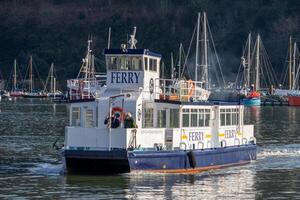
<point>30,168</point>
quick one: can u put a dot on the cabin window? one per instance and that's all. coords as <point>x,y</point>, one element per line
<point>153,64</point>
<point>185,118</point>
<point>124,63</point>
<point>207,117</point>
<point>229,116</point>
<point>195,117</point>
<point>89,123</point>
<point>148,118</point>
<point>161,119</point>
<point>146,63</point>
<point>112,62</point>
<point>75,116</point>
<point>174,118</point>
<point>136,63</point>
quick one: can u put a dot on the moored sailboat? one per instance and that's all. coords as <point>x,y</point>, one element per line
<point>15,92</point>
<point>53,92</point>
<point>294,66</point>
<point>31,93</point>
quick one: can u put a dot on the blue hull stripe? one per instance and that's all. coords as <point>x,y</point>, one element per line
<point>160,161</point>
<point>196,159</point>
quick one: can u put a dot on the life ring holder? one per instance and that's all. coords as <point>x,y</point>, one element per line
<point>118,109</point>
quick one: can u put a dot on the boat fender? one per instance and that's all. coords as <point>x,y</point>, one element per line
<point>244,141</point>
<point>192,159</point>
<point>223,143</point>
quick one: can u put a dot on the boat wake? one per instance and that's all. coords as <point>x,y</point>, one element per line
<point>290,150</point>
<point>47,169</point>
<point>278,157</point>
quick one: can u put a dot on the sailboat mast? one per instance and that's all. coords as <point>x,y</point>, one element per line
<point>172,66</point>
<point>15,75</point>
<point>249,61</point>
<point>197,48</point>
<point>30,75</point>
<point>290,64</point>
<point>257,81</point>
<point>294,65</point>
<point>205,52</point>
<point>87,64</point>
<point>179,61</point>
<point>51,79</point>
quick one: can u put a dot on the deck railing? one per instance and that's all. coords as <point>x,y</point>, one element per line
<point>180,90</point>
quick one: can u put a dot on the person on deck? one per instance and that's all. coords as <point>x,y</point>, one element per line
<point>115,122</point>
<point>129,121</point>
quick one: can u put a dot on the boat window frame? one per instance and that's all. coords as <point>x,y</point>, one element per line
<point>202,117</point>
<point>227,116</point>
<point>75,122</point>
<point>125,62</point>
<point>91,122</point>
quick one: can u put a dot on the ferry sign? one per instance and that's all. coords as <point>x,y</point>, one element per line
<point>125,77</point>
<point>195,136</point>
<point>121,79</point>
<point>230,133</point>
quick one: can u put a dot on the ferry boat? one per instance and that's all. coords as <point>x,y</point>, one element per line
<point>175,130</point>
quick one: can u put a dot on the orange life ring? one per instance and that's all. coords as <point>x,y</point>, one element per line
<point>118,110</point>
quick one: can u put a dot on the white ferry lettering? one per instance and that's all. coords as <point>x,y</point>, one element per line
<point>125,77</point>
<point>230,133</point>
<point>195,136</point>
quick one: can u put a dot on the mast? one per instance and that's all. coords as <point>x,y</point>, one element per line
<point>205,66</point>
<point>172,66</point>
<point>15,75</point>
<point>54,86</point>
<point>109,33</point>
<point>51,79</point>
<point>290,79</point>
<point>179,61</point>
<point>257,81</point>
<point>30,75</point>
<point>197,48</point>
<point>294,65</point>
<point>248,62</point>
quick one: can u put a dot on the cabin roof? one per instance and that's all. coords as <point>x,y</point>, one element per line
<point>131,52</point>
<point>203,103</point>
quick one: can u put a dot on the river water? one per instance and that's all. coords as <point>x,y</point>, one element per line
<point>30,168</point>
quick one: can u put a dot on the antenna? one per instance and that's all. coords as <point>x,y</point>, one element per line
<point>109,33</point>
<point>132,42</point>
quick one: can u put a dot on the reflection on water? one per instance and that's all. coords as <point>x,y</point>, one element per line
<point>31,168</point>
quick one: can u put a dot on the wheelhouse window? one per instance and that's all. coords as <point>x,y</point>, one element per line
<point>124,62</point>
<point>229,116</point>
<point>75,121</point>
<point>153,64</point>
<point>146,63</point>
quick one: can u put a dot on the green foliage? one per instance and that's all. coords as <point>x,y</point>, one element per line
<point>57,30</point>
